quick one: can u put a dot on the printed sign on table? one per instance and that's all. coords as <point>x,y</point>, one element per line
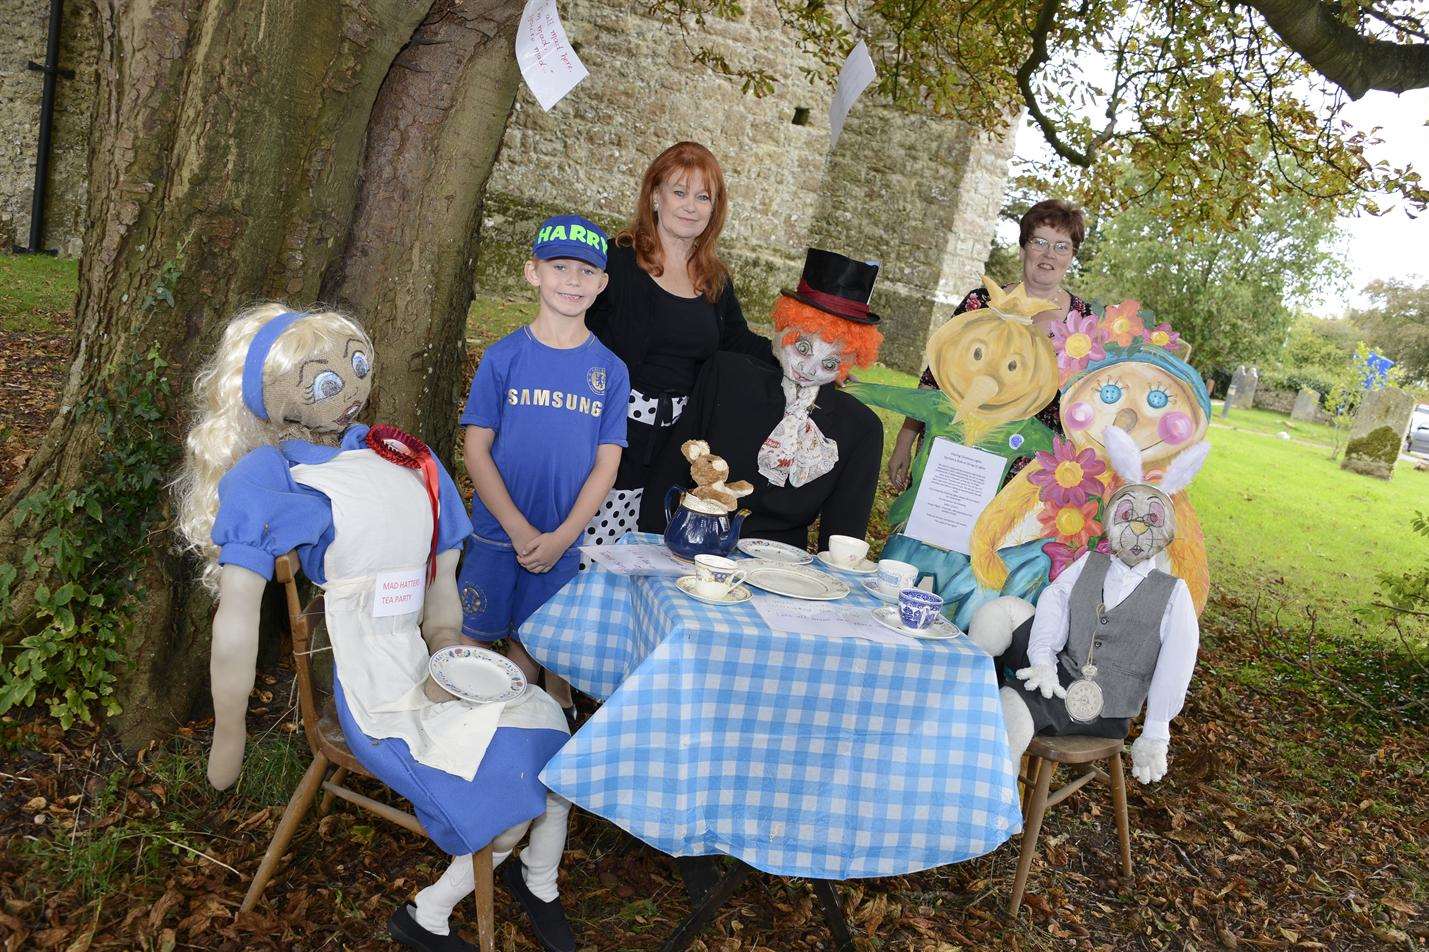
<point>548,64</point>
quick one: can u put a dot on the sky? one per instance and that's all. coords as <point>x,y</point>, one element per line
<point>1391,245</point>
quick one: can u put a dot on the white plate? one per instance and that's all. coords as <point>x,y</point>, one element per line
<point>771,551</point>
<point>796,581</point>
<point>876,588</point>
<point>735,596</point>
<point>940,630</point>
<point>476,674</point>
<point>861,567</point>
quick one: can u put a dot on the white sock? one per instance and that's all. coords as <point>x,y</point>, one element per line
<point>433,905</point>
<point>541,859</point>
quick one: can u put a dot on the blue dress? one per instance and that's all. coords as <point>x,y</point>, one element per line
<point>264,512</point>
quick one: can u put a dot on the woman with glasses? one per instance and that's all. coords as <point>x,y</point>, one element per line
<point>1051,232</point>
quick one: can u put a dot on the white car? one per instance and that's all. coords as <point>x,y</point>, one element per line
<point>1417,439</point>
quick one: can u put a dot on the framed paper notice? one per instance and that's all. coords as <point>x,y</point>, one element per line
<point>958,483</point>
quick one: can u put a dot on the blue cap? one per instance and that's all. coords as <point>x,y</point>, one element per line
<point>570,236</point>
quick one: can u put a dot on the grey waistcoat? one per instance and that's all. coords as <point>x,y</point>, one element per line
<point>1128,641</point>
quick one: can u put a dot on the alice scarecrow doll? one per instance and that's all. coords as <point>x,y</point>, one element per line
<point>275,463</point>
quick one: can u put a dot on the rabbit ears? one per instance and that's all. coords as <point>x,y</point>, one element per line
<point>1125,458</point>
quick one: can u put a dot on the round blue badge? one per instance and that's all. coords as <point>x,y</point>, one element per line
<point>1015,441</point>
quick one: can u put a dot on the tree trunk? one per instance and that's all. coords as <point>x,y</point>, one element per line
<point>292,149</point>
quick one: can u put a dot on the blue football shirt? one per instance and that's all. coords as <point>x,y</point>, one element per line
<point>550,408</point>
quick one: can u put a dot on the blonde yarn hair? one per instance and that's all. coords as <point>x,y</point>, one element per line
<point>225,430</point>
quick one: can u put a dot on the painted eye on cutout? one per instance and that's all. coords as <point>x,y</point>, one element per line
<point>326,384</point>
<point>977,353</point>
<point>1157,399</point>
<point>1153,518</point>
<point>360,365</point>
<point>1012,366</point>
<point>1126,512</point>
<point>1110,393</point>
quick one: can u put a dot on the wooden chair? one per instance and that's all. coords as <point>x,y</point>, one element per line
<point>324,734</point>
<point>1043,756</point>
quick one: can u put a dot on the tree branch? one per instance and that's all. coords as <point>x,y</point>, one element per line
<point>1354,62</point>
<point>1046,17</point>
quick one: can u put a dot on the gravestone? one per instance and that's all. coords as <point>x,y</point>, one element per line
<point>1245,392</point>
<point>1378,432</point>
<point>1307,406</point>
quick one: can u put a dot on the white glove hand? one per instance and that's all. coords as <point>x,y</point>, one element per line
<point>1148,759</point>
<point>1042,677</point>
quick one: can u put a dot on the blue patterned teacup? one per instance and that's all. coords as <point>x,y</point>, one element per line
<point>917,608</point>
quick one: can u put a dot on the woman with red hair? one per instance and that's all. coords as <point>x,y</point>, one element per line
<point>811,451</point>
<point>669,306</point>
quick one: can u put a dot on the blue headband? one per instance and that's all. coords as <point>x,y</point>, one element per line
<point>257,356</point>
<point>1158,357</point>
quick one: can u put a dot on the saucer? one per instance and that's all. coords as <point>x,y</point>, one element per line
<point>476,674</point>
<point>735,596</point>
<point>861,567</point>
<point>772,551</point>
<point>876,588</point>
<point>940,630</point>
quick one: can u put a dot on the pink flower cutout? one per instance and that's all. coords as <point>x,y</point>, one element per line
<point>1066,477</point>
<point>1062,555</point>
<point>1162,336</point>
<point>1078,340</point>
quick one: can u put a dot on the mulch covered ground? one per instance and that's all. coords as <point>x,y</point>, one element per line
<point>32,371</point>
<point>1283,824</point>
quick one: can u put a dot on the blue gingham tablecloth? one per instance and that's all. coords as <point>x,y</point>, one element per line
<point>801,755</point>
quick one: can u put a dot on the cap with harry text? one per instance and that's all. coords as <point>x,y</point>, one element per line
<point>570,236</point>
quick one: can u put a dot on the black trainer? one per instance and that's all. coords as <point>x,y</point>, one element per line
<point>548,919</point>
<point>405,929</point>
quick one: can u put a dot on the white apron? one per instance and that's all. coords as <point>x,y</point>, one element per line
<point>382,526</point>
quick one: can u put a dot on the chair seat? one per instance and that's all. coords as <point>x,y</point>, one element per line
<point>334,742</point>
<point>1074,748</point>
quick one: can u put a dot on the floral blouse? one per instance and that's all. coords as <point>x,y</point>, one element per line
<point>1050,415</point>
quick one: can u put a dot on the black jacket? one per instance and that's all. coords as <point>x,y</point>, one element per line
<point>736,403</point>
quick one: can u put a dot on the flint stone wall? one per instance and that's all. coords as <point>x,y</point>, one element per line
<point>916,193</point>
<point>23,26</point>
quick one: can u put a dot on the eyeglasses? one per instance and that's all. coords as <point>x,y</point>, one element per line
<point>1062,248</point>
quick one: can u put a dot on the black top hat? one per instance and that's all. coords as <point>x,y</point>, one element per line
<point>838,285</point>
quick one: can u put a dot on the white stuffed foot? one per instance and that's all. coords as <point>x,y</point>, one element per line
<point>992,625</point>
<point>1019,723</point>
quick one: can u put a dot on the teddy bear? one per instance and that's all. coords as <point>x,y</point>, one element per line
<point>709,473</point>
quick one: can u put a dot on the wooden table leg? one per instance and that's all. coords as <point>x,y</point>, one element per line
<point>703,914</point>
<point>833,915</point>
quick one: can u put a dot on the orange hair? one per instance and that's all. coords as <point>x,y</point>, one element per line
<point>707,271</point>
<point>860,341</point>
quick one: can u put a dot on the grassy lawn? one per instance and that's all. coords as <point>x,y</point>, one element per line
<point>36,292</point>
<point>1271,423</point>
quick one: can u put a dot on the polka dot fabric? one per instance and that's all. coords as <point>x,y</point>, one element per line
<point>615,517</point>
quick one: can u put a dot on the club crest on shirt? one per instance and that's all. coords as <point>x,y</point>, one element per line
<point>596,378</point>
<point>472,601</point>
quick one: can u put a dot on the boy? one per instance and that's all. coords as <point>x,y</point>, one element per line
<point>545,425</point>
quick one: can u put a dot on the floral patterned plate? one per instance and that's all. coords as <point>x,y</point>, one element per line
<point>772,551</point>
<point>476,674</point>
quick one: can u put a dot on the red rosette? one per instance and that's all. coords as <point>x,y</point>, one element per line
<point>407,451</point>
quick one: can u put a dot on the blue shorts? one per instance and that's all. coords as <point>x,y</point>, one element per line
<point>497,594</point>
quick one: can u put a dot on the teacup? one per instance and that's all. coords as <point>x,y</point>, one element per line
<point>846,550</point>
<point>917,609</point>
<point>897,575</point>
<point>716,576</point>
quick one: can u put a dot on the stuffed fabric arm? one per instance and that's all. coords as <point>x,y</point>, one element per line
<point>441,616</point>
<point>929,406</point>
<point>1049,633</point>
<point>232,665</point>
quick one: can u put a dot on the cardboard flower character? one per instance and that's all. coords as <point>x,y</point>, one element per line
<point>1052,512</point>
<point>1112,633</point>
<point>275,463</point>
<point>995,370</point>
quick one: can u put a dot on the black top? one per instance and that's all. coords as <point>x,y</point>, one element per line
<point>736,403</point>
<point>664,340</point>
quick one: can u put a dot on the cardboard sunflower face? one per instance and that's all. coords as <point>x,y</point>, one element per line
<point>1157,409</point>
<point>993,370</point>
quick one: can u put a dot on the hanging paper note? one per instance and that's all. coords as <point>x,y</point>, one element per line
<point>548,64</point>
<point>854,78</point>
